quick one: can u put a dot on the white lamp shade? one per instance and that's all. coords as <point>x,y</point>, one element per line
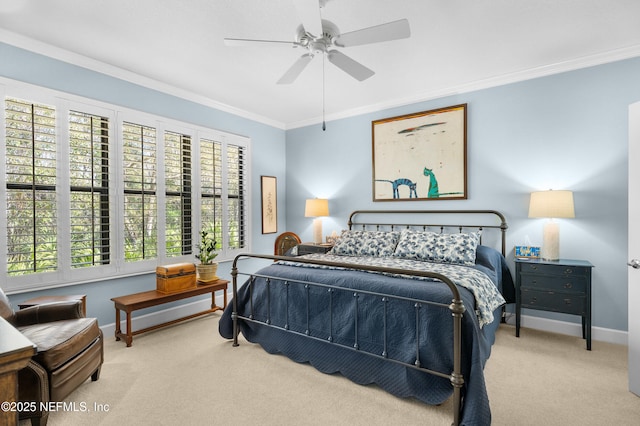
<point>316,207</point>
<point>558,204</point>
<point>551,204</point>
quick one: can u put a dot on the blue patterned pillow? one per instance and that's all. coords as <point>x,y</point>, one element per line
<point>435,247</point>
<point>366,243</point>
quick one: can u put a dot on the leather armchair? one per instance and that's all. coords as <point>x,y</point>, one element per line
<point>69,351</point>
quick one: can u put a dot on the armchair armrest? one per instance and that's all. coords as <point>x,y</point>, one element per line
<point>48,312</point>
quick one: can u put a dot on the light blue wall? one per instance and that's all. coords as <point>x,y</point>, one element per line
<point>267,152</point>
<point>566,131</point>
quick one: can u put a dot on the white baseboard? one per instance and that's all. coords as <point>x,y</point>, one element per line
<point>571,329</point>
<point>139,322</point>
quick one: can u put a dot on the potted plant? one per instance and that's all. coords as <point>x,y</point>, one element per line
<point>207,268</point>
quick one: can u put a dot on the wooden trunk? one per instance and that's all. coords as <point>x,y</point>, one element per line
<point>175,277</point>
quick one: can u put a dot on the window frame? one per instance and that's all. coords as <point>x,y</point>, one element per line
<point>181,194</point>
<point>226,140</point>
<point>102,113</point>
<point>65,275</point>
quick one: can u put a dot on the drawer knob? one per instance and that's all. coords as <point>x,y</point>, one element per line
<point>568,271</point>
<point>568,285</point>
<point>567,301</point>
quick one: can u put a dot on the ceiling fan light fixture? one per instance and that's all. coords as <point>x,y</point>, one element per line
<point>317,47</point>
<point>320,36</point>
<point>330,37</point>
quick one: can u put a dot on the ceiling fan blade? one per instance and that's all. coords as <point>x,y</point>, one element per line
<point>309,14</point>
<point>348,65</point>
<point>295,70</point>
<point>384,32</point>
<point>252,42</point>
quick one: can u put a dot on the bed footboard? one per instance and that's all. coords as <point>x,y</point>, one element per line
<point>456,307</point>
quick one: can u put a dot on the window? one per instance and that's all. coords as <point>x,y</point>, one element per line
<point>140,201</point>
<point>223,206</point>
<point>90,191</point>
<point>89,171</point>
<point>177,174</point>
<point>236,199</point>
<point>211,188</point>
<point>30,161</point>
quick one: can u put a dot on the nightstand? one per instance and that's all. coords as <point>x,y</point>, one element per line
<point>309,248</point>
<point>562,286</point>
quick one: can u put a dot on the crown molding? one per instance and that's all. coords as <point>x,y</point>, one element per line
<point>499,80</point>
<point>76,59</point>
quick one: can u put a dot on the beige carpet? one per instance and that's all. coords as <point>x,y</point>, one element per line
<point>188,375</point>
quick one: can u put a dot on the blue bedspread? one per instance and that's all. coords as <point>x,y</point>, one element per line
<point>435,329</point>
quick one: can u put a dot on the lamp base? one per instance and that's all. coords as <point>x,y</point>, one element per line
<point>317,230</point>
<point>550,241</point>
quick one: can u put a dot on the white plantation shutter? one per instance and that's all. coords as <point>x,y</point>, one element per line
<point>79,184</point>
<point>223,191</point>
<point>140,198</point>
<point>30,161</point>
<point>177,173</point>
<point>236,205</point>
<point>211,189</point>
<point>89,173</point>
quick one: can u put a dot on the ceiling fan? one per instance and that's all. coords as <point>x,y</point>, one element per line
<point>321,37</point>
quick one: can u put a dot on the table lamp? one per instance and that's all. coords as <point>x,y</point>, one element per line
<point>551,204</point>
<point>317,207</point>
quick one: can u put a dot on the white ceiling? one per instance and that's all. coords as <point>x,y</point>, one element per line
<point>455,46</point>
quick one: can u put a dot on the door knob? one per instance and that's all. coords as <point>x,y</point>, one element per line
<point>634,263</point>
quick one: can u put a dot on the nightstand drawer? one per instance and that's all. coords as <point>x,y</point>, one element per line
<point>562,270</point>
<point>576,284</point>
<point>553,301</point>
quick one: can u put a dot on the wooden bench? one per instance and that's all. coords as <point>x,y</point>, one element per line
<point>147,299</point>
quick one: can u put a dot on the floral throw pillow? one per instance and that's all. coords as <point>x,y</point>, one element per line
<point>435,247</point>
<point>366,243</point>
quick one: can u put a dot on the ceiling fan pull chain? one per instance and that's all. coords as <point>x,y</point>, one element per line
<point>324,126</point>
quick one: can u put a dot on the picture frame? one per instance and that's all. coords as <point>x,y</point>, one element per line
<point>269,192</point>
<point>527,252</point>
<point>420,156</point>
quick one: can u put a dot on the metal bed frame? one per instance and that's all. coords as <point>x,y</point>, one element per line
<point>456,306</point>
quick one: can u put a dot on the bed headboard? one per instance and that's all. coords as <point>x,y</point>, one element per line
<point>444,221</point>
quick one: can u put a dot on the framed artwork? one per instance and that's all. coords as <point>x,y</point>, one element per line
<point>527,252</point>
<point>421,156</point>
<point>268,187</point>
